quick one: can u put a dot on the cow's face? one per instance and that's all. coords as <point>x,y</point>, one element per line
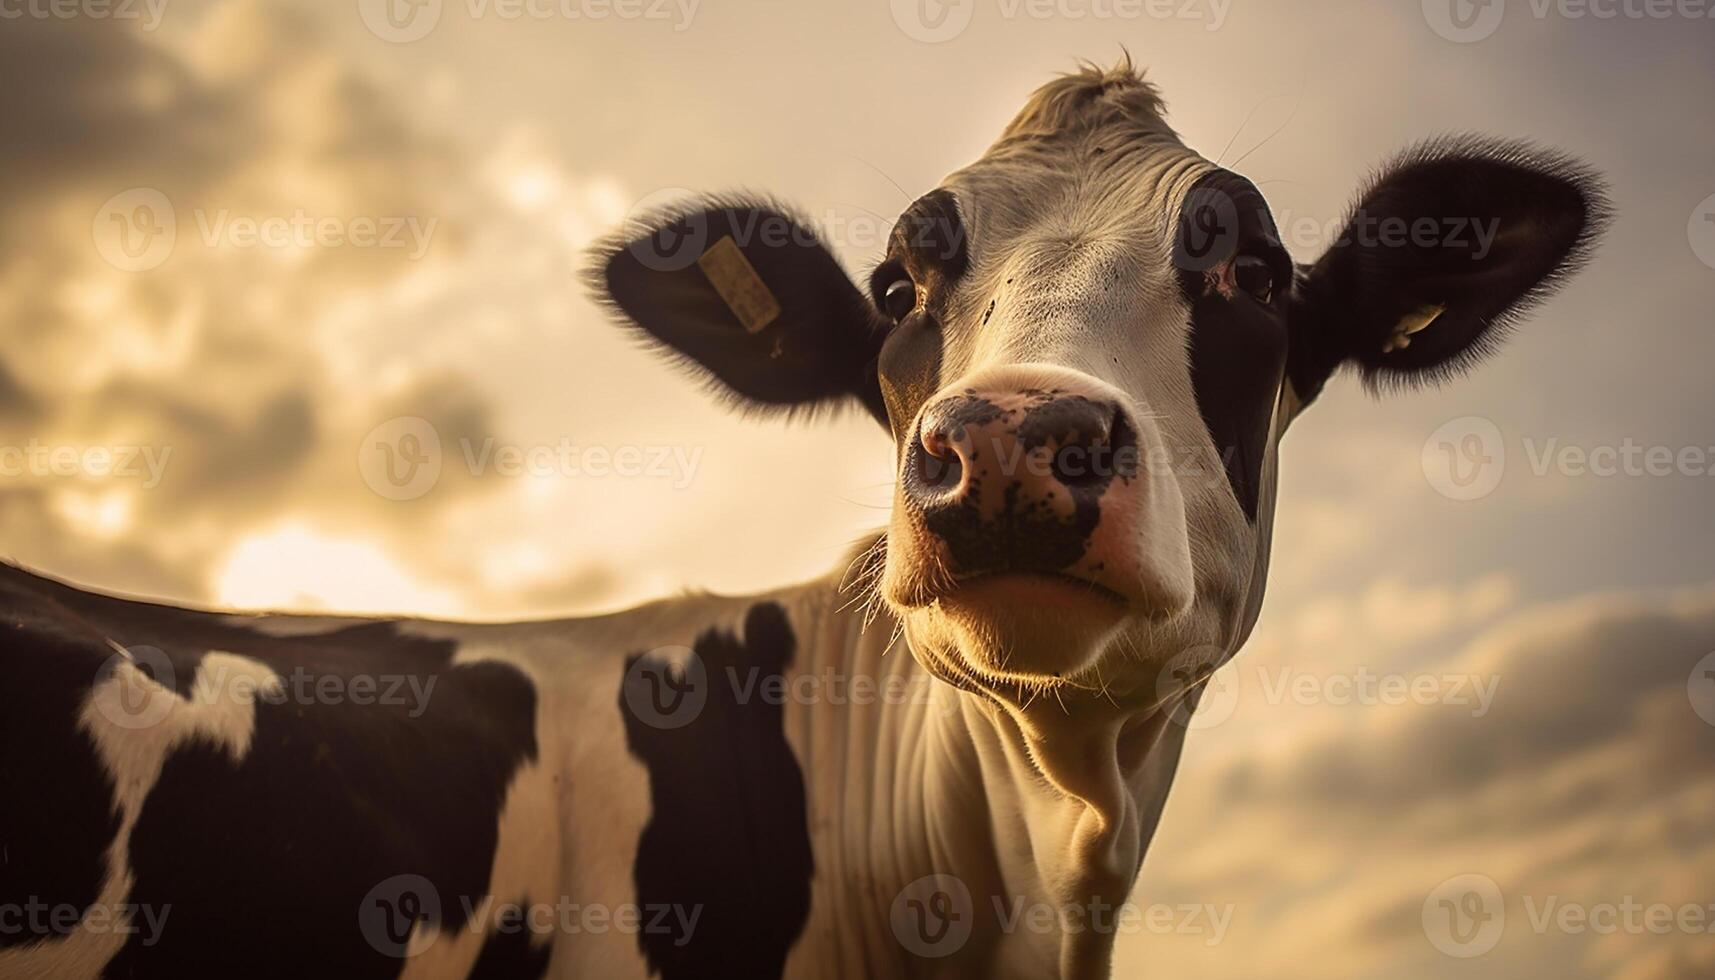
<point>1086,346</point>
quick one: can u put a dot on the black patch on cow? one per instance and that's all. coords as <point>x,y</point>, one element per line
<point>819,351</point>
<point>1238,343</point>
<point>332,800</point>
<point>728,836</point>
<point>511,954</point>
<point>57,818</point>
<point>930,239</point>
<point>928,245</point>
<point>910,370</point>
<point>1486,228</point>
<point>264,864</point>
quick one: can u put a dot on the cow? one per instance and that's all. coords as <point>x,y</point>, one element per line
<point>1086,347</point>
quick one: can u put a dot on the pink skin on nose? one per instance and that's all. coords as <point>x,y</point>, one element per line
<point>999,505</point>
<point>1003,467</point>
<point>1047,482</point>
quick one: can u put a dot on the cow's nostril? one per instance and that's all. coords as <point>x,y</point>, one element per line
<point>941,473</point>
<point>1101,448</point>
<point>1081,465</point>
<point>937,459</point>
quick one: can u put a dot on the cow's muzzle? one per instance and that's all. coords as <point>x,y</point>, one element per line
<point>1022,481</point>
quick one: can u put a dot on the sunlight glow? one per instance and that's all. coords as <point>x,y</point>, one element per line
<point>294,566</point>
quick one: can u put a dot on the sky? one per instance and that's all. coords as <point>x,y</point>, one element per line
<point>241,243</point>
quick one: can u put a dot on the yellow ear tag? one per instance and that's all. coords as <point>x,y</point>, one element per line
<point>1416,321</point>
<point>735,279</point>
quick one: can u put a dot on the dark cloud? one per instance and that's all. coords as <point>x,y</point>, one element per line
<point>16,403</point>
<point>74,101</point>
<point>89,110</point>
<point>1566,690</point>
<point>1588,781</point>
<point>212,355</point>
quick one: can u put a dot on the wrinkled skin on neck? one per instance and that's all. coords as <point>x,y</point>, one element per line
<point>1032,803</point>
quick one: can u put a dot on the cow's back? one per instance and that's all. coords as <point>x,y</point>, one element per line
<point>222,795</point>
<point>293,795</point>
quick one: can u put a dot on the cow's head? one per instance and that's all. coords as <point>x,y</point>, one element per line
<point>1087,345</point>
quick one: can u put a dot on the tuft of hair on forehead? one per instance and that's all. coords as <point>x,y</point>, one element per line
<point>1092,97</point>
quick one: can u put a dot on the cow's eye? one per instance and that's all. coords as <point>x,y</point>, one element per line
<point>1254,276</point>
<point>900,298</point>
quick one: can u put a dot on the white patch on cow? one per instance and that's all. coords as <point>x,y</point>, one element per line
<point>594,792</point>
<point>526,870</point>
<point>220,710</point>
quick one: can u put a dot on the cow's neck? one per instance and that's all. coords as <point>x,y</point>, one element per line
<point>1033,805</point>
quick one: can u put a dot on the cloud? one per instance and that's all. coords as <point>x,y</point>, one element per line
<point>1587,783</point>
<point>210,358</point>
<point>258,370</point>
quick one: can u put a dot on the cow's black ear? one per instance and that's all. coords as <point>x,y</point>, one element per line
<point>1452,241</point>
<point>746,293</point>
